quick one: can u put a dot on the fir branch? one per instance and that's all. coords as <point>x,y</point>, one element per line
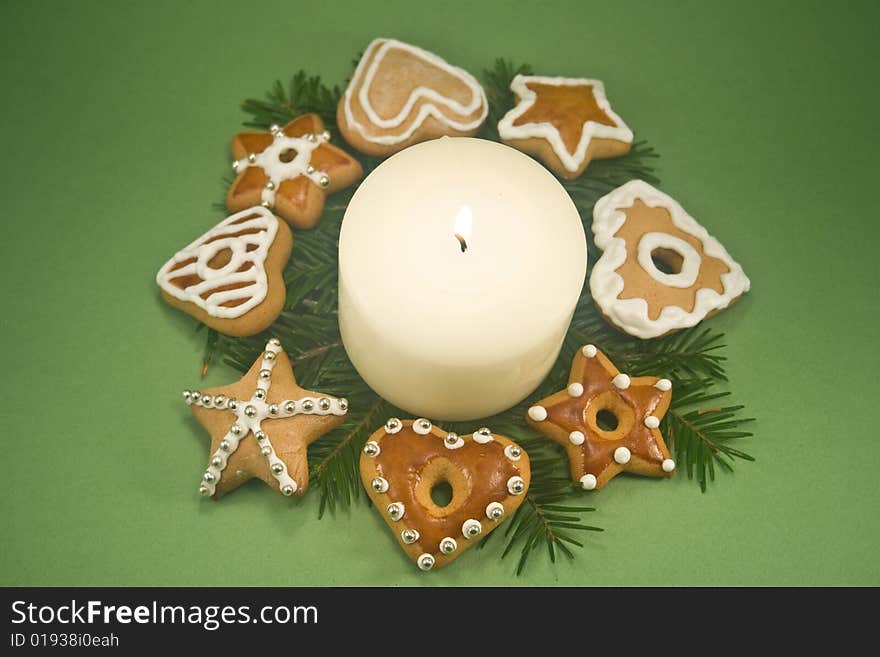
<point>303,94</point>
<point>699,431</point>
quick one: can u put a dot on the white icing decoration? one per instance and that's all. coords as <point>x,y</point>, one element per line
<point>668,465</point>
<point>422,426</point>
<point>483,439</point>
<point>589,351</point>
<point>245,424</point>
<point>577,437</point>
<point>621,381</point>
<point>663,384</point>
<point>588,482</point>
<point>575,390</point>
<point>690,265</point>
<point>622,455</point>
<point>652,422</point>
<point>493,508</point>
<point>432,108</point>
<point>218,239</point>
<point>538,413</point>
<point>509,453</point>
<point>606,284</point>
<point>571,161</point>
<point>269,160</point>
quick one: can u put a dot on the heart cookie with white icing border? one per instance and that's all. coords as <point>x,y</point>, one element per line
<point>643,231</point>
<point>401,95</point>
<point>403,462</point>
<point>231,278</point>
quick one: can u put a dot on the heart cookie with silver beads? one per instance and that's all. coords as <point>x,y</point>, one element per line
<point>406,464</point>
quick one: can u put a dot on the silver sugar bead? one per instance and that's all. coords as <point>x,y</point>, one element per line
<point>275,342</point>
<point>269,355</point>
<point>308,405</point>
<point>270,185</point>
<point>207,400</point>
<point>372,448</point>
<point>235,429</point>
<point>310,169</point>
<point>395,510</point>
<point>266,204</point>
<point>287,490</point>
<point>208,477</point>
<point>277,468</point>
<point>194,395</point>
<point>471,528</point>
<point>203,490</point>
<point>261,436</point>
<point>266,450</point>
<point>495,511</point>
<point>325,135</point>
<point>185,395</point>
<point>235,165</point>
<point>324,404</point>
<point>312,137</point>
<point>516,485</point>
<point>273,409</point>
<point>250,411</point>
<point>290,407</point>
<point>260,393</point>
<point>409,536</point>
<point>216,461</point>
<point>220,401</point>
<point>324,181</point>
<point>448,545</point>
<point>484,431</point>
<point>426,561</point>
<point>343,404</point>
<point>379,485</point>
<point>274,128</point>
<point>451,438</point>
<point>232,404</point>
<point>224,445</point>
<point>424,424</point>
<point>251,158</point>
<point>392,425</point>
<point>265,374</point>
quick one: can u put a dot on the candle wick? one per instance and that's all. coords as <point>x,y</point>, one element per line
<point>461,241</point>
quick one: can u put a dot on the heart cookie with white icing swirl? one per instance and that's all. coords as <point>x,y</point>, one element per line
<point>405,462</point>
<point>231,278</point>
<point>660,271</point>
<point>401,95</point>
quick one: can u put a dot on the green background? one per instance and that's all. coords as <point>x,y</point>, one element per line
<point>115,129</point>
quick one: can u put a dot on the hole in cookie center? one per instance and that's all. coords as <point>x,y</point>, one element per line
<point>288,155</point>
<point>606,420</point>
<point>441,493</point>
<point>667,261</point>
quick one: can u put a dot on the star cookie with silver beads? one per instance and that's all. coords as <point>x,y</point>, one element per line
<point>262,425</point>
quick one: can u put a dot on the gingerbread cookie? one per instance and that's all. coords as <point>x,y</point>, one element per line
<point>405,460</point>
<point>607,421</point>
<point>401,95</point>
<point>262,425</point>
<point>230,278</point>
<point>565,122</point>
<point>290,170</point>
<point>643,232</point>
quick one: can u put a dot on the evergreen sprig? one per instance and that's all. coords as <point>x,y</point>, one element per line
<point>698,431</point>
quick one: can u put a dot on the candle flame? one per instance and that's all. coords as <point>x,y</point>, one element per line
<point>463,221</point>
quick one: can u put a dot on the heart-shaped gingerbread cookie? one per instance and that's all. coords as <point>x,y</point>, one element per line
<point>401,95</point>
<point>405,461</point>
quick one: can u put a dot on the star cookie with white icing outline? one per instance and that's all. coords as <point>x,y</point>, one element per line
<point>290,170</point>
<point>636,226</point>
<point>607,421</point>
<point>262,425</point>
<point>565,122</point>
<point>404,460</point>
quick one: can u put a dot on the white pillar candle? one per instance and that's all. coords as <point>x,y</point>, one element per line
<point>460,265</point>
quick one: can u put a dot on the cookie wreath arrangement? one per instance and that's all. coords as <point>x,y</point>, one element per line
<point>414,246</point>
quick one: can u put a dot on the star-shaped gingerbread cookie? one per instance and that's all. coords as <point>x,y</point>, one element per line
<point>290,170</point>
<point>607,421</point>
<point>261,426</point>
<point>565,122</point>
